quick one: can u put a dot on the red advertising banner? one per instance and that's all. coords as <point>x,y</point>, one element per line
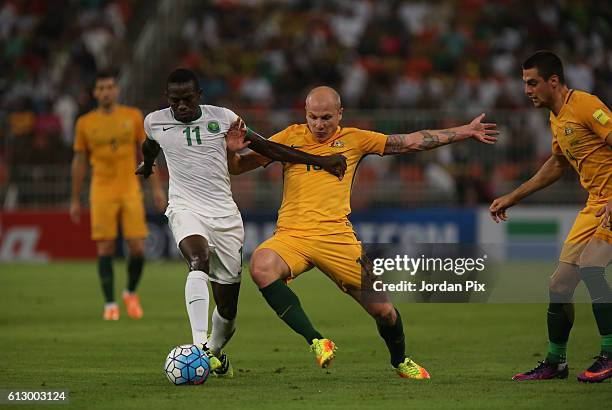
<point>38,236</point>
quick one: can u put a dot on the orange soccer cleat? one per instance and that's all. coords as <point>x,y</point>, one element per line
<point>410,370</point>
<point>325,352</point>
<point>132,304</point>
<point>111,312</point>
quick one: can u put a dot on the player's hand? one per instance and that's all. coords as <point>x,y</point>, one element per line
<point>146,170</point>
<point>75,212</point>
<point>234,137</point>
<point>498,207</point>
<point>160,199</point>
<point>606,212</point>
<point>335,165</point>
<point>485,132</point>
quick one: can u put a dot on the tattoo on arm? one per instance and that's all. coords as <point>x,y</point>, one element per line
<point>418,141</point>
<point>429,141</point>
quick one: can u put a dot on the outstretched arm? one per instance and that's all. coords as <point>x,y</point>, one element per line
<point>239,137</point>
<point>430,139</point>
<point>548,173</point>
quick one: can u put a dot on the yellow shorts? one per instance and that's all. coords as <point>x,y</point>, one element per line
<point>336,255</point>
<point>586,226</point>
<point>129,211</point>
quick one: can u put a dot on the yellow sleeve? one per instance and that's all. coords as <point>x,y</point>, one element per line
<point>372,142</point>
<point>594,114</point>
<point>281,137</point>
<point>80,141</point>
<point>139,126</point>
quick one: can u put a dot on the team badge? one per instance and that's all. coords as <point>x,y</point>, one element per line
<point>601,117</point>
<point>337,144</point>
<point>212,126</point>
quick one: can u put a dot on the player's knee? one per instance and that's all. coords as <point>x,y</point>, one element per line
<point>105,248</point>
<point>228,312</point>
<point>136,249</point>
<point>263,269</point>
<point>198,262</point>
<point>561,287</point>
<point>260,272</point>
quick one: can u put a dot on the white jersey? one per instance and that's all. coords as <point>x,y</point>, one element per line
<point>197,159</point>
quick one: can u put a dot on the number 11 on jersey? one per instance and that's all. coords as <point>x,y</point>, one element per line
<point>196,130</point>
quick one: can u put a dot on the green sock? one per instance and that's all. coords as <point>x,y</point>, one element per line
<point>556,352</point>
<point>394,339</point>
<point>105,271</point>
<point>134,272</point>
<point>287,306</point>
<point>601,296</point>
<point>560,319</point>
<point>606,343</point>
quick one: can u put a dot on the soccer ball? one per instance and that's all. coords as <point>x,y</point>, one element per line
<point>187,364</point>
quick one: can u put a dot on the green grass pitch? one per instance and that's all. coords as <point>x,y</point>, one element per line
<point>52,337</point>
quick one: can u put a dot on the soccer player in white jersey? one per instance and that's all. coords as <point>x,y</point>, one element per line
<point>204,219</point>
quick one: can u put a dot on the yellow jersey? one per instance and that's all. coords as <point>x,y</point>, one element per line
<point>579,133</point>
<point>314,201</point>
<point>110,140</point>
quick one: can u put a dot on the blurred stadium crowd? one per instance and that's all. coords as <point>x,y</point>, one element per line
<point>399,66</point>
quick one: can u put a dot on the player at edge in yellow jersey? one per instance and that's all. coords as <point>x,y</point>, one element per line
<point>313,229</point>
<point>108,137</point>
<point>582,139</point>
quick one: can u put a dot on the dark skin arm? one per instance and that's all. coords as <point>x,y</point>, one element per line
<point>238,137</point>
<point>150,150</point>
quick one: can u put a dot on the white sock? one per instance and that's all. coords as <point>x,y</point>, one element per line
<point>222,332</point>
<point>196,300</point>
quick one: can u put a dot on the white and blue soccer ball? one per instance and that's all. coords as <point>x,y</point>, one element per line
<point>187,364</point>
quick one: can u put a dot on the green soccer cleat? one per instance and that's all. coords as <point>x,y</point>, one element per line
<point>324,350</point>
<point>410,370</point>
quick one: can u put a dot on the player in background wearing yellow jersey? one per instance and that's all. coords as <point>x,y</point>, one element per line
<point>582,139</point>
<point>108,137</point>
<point>313,229</point>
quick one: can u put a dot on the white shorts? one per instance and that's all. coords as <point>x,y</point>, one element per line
<point>225,237</point>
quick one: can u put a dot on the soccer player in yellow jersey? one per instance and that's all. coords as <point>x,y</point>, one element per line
<point>313,229</point>
<point>109,136</point>
<point>581,139</point>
